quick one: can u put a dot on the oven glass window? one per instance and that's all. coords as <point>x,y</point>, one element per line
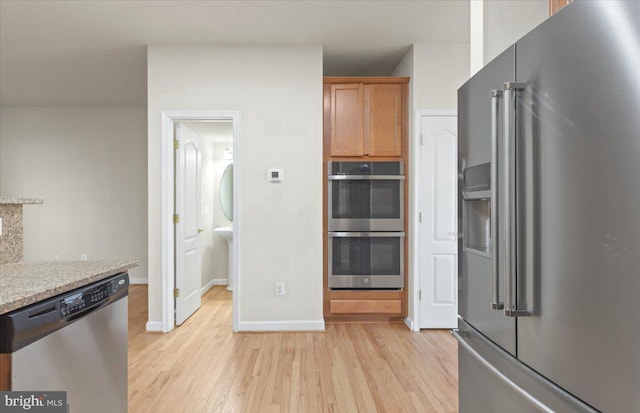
<point>366,256</point>
<point>366,199</point>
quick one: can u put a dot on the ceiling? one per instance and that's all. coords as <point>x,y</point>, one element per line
<point>55,52</point>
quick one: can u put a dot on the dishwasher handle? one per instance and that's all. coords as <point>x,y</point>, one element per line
<point>27,325</point>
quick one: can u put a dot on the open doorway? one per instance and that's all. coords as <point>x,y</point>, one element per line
<point>204,208</point>
<point>200,199</point>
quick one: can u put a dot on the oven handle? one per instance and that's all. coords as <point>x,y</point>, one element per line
<point>366,177</point>
<point>365,234</point>
<point>475,195</point>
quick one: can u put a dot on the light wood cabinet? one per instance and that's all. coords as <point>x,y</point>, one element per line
<point>383,120</point>
<point>366,119</point>
<point>365,307</point>
<point>347,137</point>
<point>5,372</point>
<point>555,5</point>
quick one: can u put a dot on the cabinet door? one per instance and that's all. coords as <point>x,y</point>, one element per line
<point>555,5</point>
<point>347,120</point>
<point>383,120</point>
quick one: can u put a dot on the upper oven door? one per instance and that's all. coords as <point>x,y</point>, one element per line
<point>366,196</point>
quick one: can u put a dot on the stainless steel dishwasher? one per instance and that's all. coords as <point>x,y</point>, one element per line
<point>74,342</point>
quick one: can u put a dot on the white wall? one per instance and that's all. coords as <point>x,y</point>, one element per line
<point>439,70</point>
<point>278,92</point>
<point>506,21</point>
<point>497,24</point>
<point>405,68</point>
<point>207,200</point>
<point>220,251</point>
<point>89,165</point>
<point>436,71</point>
<point>476,34</point>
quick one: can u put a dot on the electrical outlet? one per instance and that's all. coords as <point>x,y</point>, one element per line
<point>279,288</point>
<point>83,257</point>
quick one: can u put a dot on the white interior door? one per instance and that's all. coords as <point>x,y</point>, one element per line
<point>188,271</point>
<point>439,226</point>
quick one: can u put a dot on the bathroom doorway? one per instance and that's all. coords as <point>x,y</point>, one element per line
<point>203,204</point>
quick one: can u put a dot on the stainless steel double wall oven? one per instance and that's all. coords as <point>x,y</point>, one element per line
<point>366,225</point>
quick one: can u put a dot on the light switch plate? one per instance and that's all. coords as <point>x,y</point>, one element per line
<point>275,175</point>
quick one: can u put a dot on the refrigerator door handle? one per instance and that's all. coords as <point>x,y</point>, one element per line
<point>509,211</point>
<point>514,386</point>
<point>496,303</point>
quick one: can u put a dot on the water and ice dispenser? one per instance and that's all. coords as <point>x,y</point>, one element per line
<point>476,210</point>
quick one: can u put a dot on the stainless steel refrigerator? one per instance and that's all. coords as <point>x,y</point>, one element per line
<point>549,254</point>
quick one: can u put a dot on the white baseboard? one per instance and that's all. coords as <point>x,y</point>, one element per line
<point>138,281</point>
<point>215,281</point>
<point>409,323</point>
<point>154,326</point>
<point>206,287</point>
<point>297,325</point>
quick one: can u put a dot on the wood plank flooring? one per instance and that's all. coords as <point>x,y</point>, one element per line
<point>202,366</point>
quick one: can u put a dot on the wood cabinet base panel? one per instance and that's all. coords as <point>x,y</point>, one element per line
<point>365,307</point>
<point>5,372</point>
<point>363,318</point>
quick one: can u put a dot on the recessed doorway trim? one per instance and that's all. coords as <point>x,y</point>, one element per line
<point>169,118</point>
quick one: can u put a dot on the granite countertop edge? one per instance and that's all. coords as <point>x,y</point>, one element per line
<point>18,201</point>
<point>17,300</point>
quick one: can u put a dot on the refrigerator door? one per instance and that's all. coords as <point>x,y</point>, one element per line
<point>507,385</point>
<point>474,150</point>
<point>579,201</point>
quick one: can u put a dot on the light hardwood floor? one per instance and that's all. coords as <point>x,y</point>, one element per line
<point>202,366</point>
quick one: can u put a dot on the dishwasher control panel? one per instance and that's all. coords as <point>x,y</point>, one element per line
<point>28,324</point>
<point>90,297</point>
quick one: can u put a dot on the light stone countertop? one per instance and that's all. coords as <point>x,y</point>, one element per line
<point>24,283</point>
<point>13,201</point>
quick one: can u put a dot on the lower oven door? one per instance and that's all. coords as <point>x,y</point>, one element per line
<point>366,260</point>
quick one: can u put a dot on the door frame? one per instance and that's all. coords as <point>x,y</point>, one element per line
<point>169,118</point>
<point>415,282</point>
